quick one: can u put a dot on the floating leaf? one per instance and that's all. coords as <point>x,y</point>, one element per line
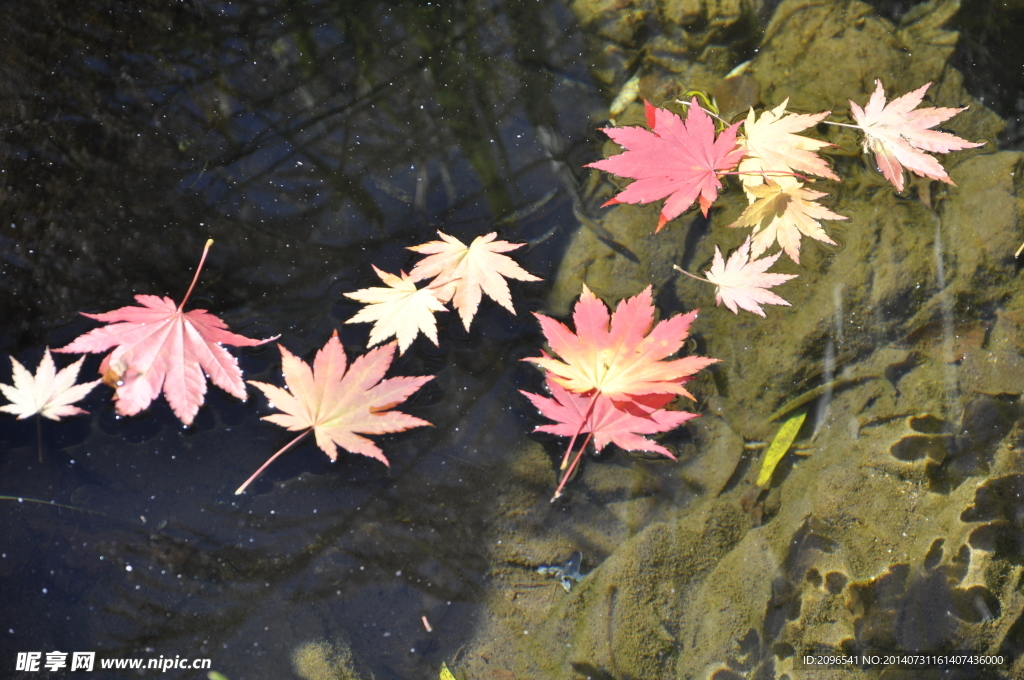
<point>899,134</point>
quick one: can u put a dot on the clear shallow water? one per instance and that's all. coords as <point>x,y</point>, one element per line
<point>309,142</point>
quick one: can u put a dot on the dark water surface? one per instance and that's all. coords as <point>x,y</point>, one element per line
<point>308,139</point>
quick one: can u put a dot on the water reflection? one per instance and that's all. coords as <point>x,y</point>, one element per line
<point>306,138</point>
<point>309,139</point>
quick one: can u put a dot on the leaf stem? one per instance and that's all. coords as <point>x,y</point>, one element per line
<point>586,417</point>
<point>692,276</point>
<point>846,125</point>
<point>575,462</point>
<point>209,242</point>
<point>710,113</point>
<point>765,173</point>
<point>22,499</point>
<point>271,460</point>
<point>39,437</point>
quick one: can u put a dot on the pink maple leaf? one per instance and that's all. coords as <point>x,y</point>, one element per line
<point>675,159</point>
<point>158,347</point>
<point>619,423</point>
<point>742,282</point>
<point>464,273</point>
<point>898,134</point>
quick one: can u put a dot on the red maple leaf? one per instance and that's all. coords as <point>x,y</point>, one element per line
<point>675,159</point>
<point>898,134</point>
<point>338,404</point>
<point>158,347</point>
<point>622,423</point>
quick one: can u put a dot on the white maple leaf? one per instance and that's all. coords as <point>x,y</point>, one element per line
<point>401,310</point>
<point>742,283</point>
<point>49,393</point>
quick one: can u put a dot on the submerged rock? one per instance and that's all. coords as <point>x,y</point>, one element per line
<point>898,531</point>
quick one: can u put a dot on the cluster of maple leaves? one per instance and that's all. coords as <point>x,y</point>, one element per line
<point>683,161</point>
<point>611,379</point>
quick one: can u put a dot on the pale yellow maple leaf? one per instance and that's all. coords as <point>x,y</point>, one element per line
<point>772,147</point>
<point>464,272</point>
<point>783,214</point>
<point>49,393</point>
<point>401,310</point>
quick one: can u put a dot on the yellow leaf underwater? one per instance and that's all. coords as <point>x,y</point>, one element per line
<point>445,673</point>
<point>783,440</point>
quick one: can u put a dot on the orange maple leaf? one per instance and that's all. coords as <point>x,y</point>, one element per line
<point>617,363</point>
<point>337,405</point>
<point>782,212</point>
<point>464,273</point>
<point>616,356</point>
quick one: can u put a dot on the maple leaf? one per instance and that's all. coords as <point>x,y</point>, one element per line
<point>619,360</point>
<point>401,310</point>
<point>898,134</point>
<point>675,159</point>
<point>473,270</point>
<point>742,282</point>
<point>49,393</point>
<point>614,359</point>
<point>772,146</point>
<point>622,424</point>
<point>158,347</point>
<point>339,405</point>
<point>782,213</point>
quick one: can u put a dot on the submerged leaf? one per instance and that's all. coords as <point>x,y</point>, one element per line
<point>780,445</point>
